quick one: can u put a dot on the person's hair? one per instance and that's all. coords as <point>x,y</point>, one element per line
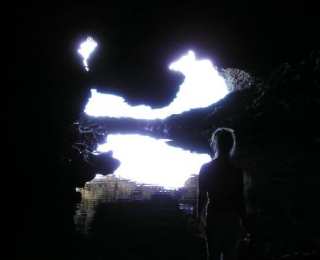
<point>223,140</point>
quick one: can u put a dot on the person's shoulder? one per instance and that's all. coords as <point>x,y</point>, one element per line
<point>207,166</point>
<point>204,173</point>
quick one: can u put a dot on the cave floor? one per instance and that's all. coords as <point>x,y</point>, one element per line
<point>142,230</point>
<point>151,230</point>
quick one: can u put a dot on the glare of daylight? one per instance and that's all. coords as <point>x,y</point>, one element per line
<point>85,50</point>
<point>202,86</point>
<point>147,160</point>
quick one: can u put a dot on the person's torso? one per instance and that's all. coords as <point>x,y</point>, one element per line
<point>223,186</point>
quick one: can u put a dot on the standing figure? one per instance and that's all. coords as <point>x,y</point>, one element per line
<point>221,201</point>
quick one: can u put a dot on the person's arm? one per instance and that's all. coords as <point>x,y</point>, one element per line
<point>202,196</point>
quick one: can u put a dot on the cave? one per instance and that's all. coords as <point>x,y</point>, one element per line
<point>68,201</point>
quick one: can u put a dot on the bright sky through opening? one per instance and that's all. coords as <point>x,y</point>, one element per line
<point>152,161</point>
<point>86,49</point>
<point>147,160</point>
<point>202,86</point>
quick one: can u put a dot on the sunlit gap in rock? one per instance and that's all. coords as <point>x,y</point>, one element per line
<point>147,160</point>
<point>85,50</point>
<point>202,86</point>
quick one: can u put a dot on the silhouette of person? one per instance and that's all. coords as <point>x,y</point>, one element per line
<point>221,206</point>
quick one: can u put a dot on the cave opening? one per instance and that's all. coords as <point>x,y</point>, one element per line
<point>63,179</point>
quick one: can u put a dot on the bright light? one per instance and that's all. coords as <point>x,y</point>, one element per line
<point>86,49</point>
<point>99,177</point>
<point>147,160</point>
<point>201,87</point>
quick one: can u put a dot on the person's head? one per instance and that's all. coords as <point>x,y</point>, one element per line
<point>223,142</point>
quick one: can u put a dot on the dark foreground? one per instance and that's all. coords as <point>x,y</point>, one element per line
<point>142,230</point>
<point>159,230</point>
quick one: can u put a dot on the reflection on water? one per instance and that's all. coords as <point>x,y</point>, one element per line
<point>108,189</point>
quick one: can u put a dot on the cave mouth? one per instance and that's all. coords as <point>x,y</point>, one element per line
<point>150,168</point>
<point>150,159</point>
